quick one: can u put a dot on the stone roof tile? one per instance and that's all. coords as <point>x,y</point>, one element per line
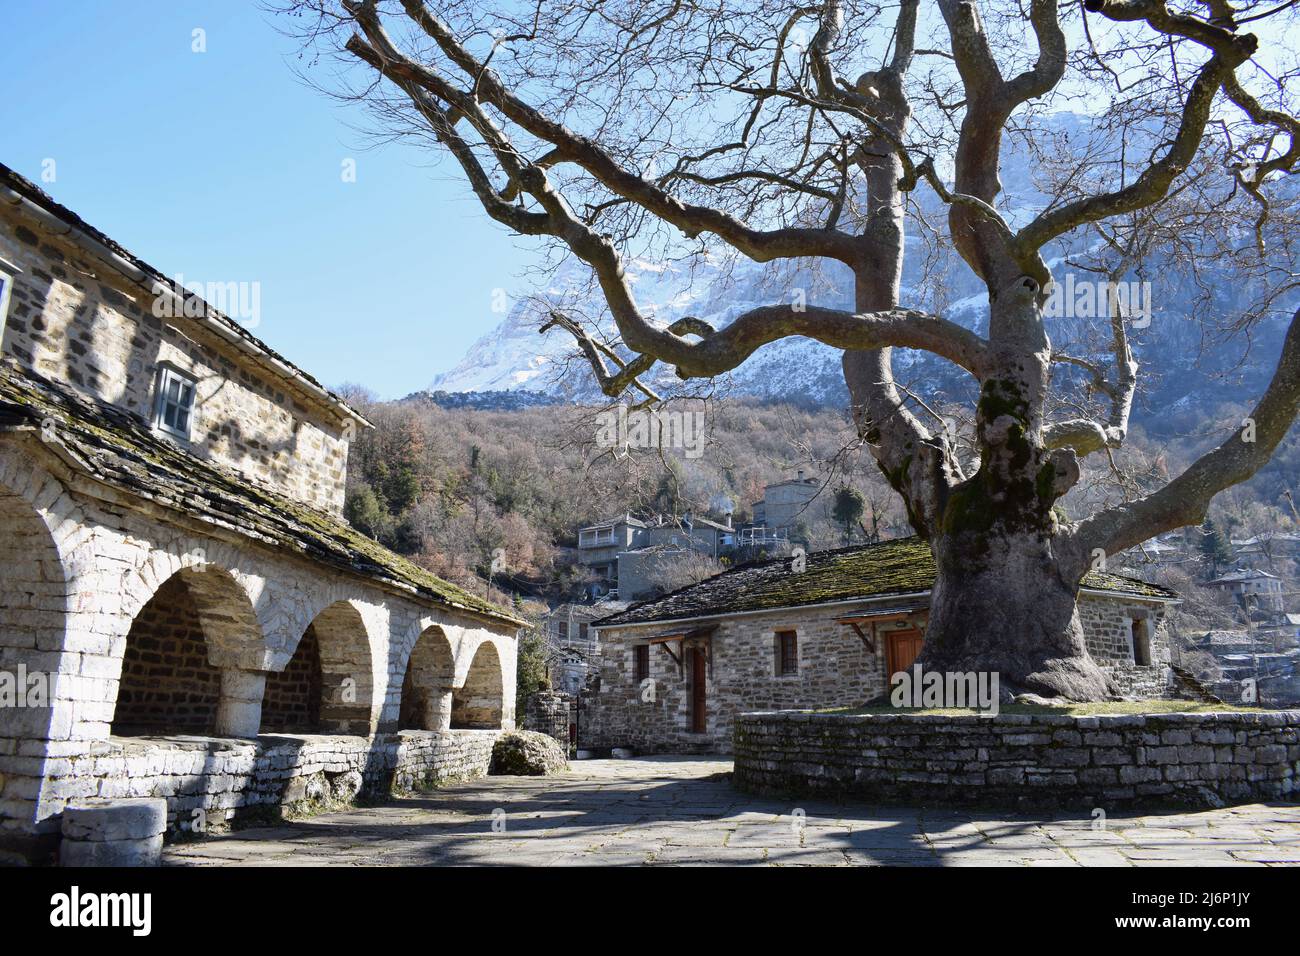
<point>116,447</point>
<point>901,566</point>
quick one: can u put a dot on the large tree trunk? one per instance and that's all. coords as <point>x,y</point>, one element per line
<point>1002,605</point>
<point>1004,601</point>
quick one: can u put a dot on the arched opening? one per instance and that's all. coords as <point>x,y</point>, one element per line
<point>328,685</point>
<point>478,704</point>
<point>427,688</point>
<point>33,609</point>
<point>197,623</point>
<point>291,703</point>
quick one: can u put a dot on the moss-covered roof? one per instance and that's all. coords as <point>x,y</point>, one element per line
<point>902,566</point>
<point>114,446</point>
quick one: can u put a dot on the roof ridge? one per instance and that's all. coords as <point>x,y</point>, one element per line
<point>24,187</point>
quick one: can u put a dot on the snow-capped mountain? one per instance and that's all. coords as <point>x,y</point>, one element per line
<point>1178,359</point>
<point>515,357</point>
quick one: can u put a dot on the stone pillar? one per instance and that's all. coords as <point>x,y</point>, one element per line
<point>437,709</point>
<point>239,712</point>
<point>113,832</point>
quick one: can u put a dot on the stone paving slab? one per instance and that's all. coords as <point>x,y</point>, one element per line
<point>682,811</point>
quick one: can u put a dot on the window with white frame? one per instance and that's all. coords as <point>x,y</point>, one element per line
<point>6,285</point>
<point>175,402</point>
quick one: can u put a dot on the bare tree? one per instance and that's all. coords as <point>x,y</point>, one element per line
<point>803,132</point>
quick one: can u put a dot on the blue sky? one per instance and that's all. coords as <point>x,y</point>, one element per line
<point>223,166</point>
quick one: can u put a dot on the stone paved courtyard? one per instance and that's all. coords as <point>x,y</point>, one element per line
<point>683,810</point>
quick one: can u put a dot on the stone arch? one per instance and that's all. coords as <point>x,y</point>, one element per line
<point>347,678</point>
<point>191,657</point>
<point>34,593</point>
<point>479,703</point>
<point>427,688</point>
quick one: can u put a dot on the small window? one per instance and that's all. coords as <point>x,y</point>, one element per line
<point>787,653</point>
<point>6,284</point>
<point>582,631</point>
<point>641,659</point>
<point>175,403</point>
<point>562,629</point>
<point>7,273</point>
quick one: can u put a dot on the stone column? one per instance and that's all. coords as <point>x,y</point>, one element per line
<point>437,709</point>
<point>113,832</point>
<point>239,712</point>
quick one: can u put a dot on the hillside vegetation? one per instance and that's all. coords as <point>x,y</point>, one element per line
<point>452,488</point>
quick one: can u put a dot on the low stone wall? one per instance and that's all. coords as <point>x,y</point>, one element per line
<point>211,782</point>
<point>1012,760</point>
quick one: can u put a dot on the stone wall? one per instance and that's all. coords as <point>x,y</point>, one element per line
<point>550,713</point>
<point>291,702</point>
<point>210,784</point>
<point>835,669</point>
<point>1021,760</point>
<point>78,573</point>
<point>75,321</point>
<point>167,682</point>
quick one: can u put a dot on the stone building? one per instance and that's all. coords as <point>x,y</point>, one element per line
<point>176,578</point>
<point>788,504</point>
<point>673,673</point>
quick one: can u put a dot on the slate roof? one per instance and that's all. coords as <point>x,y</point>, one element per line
<point>116,447</point>
<point>25,187</point>
<point>902,566</point>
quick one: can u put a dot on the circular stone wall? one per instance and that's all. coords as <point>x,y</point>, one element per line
<point>1190,760</point>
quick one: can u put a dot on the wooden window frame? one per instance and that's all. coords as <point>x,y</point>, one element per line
<point>780,652</point>
<point>640,662</point>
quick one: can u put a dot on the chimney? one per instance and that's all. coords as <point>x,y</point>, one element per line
<point>728,519</point>
<point>801,474</point>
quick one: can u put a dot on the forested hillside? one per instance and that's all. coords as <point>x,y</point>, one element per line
<point>449,487</point>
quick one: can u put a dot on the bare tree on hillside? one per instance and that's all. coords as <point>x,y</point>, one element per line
<point>805,131</point>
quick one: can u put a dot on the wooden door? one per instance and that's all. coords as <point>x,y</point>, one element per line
<point>902,648</point>
<point>699,676</point>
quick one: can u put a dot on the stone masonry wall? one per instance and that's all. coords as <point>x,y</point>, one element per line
<point>1203,759</point>
<point>77,573</point>
<point>75,321</point>
<point>291,702</point>
<point>835,669</point>
<point>209,784</point>
<point>167,682</point>
<point>550,713</point>
<point>1107,629</point>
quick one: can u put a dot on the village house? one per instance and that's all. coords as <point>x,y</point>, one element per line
<point>786,505</point>
<point>570,643</point>
<point>632,557</point>
<point>673,673</point>
<point>183,610</point>
<point>1253,589</point>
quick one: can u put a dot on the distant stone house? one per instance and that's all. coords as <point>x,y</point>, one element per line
<point>628,554</point>
<point>174,561</point>
<point>570,642</point>
<point>673,673</point>
<point>1253,589</point>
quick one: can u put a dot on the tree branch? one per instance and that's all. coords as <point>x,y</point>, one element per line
<point>1186,499</point>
